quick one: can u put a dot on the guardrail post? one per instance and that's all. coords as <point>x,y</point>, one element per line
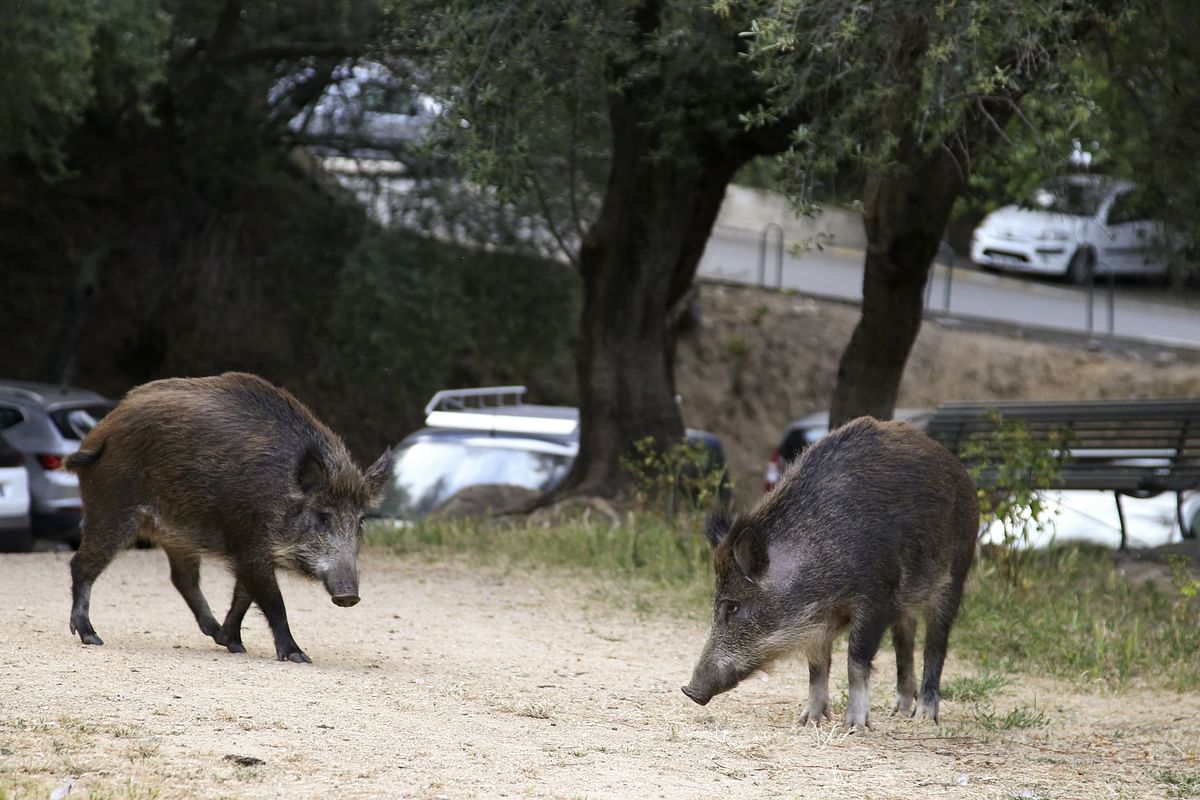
<point>1112,300</point>
<point>1091,295</point>
<point>762,254</point>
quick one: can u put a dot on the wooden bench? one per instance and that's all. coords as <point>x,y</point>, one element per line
<point>1138,448</point>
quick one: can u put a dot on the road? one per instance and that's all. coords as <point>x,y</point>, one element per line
<point>733,254</point>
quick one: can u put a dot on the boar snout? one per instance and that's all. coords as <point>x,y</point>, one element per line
<point>341,581</point>
<point>695,694</point>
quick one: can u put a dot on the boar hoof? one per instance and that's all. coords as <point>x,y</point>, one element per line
<point>857,723</point>
<point>904,705</point>
<point>235,647</point>
<point>927,708</point>
<point>814,716</point>
<point>296,657</point>
<point>90,638</point>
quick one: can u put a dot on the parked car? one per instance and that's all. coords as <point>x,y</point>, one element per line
<point>15,533</point>
<point>1072,226</point>
<point>489,436</point>
<point>46,423</point>
<point>802,432</point>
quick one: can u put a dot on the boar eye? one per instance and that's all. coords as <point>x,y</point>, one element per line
<point>728,608</point>
<point>324,520</point>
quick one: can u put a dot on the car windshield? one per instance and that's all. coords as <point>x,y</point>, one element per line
<point>427,473</point>
<point>1080,199</point>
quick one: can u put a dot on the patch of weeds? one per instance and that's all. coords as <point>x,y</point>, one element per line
<point>738,347</point>
<point>758,315</point>
<point>1180,784</point>
<point>1073,617</point>
<point>1018,718</point>
<point>974,689</point>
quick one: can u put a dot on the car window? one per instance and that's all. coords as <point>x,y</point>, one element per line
<point>9,417</point>
<point>76,423</point>
<point>1128,207</point>
<point>426,473</point>
<point>1069,197</point>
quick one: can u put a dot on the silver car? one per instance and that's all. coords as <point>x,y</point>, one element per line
<point>46,423</point>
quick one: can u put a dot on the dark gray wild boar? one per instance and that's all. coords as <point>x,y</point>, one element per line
<point>229,466</point>
<point>871,525</point>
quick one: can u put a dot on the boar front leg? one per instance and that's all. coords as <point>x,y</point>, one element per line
<point>865,635</point>
<point>230,634</point>
<point>265,591</point>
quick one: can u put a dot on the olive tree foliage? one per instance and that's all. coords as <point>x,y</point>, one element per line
<point>620,122</point>
<point>912,94</point>
<point>57,55</point>
<point>1152,109</point>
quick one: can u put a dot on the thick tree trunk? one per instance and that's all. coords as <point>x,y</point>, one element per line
<point>905,214</point>
<point>637,261</point>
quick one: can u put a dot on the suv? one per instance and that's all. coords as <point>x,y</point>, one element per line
<point>46,423</point>
<point>484,437</point>
<point>1074,226</point>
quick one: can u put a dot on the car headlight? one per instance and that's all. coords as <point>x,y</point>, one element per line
<point>1053,236</point>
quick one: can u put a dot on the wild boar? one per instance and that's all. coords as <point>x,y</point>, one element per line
<point>871,526</point>
<point>230,466</point>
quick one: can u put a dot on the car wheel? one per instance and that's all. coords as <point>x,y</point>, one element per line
<point>1080,268</point>
<point>16,541</point>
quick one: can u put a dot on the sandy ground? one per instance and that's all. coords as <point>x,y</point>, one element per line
<point>454,681</point>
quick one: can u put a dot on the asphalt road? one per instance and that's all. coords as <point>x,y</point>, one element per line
<point>734,254</point>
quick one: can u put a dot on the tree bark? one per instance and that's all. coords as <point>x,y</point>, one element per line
<point>905,215</point>
<point>637,261</point>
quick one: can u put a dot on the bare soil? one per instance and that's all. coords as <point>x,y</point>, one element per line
<point>450,680</point>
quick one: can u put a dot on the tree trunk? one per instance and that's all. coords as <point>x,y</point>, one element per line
<point>905,215</point>
<point>637,261</point>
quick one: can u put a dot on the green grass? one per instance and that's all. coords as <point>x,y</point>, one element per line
<point>1180,784</point>
<point>973,689</point>
<point>1071,617</point>
<point>1074,618</point>
<point>1017,718</point>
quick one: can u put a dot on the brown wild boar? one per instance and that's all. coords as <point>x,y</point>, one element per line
<point>230,466</point>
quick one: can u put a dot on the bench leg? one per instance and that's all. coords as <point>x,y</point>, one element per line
<point>1121,517</point>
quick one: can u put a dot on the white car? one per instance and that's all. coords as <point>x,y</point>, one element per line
<point>1073,225</point>
<point>15,528</point>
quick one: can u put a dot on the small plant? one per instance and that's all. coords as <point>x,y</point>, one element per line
<point>1180,784</point>
<point>1013,470</point>
<point>738,347</point>
<point>974,689</point>
<point>759,314</point>
<point>682,477</point>
<point>1018,718</point>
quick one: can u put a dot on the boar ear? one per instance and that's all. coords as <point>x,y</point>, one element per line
<point>750,555</point>
<point>311,472</point>
<point>378,475</point>
<point>716,526</point>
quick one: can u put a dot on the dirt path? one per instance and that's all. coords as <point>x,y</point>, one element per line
<point>450,681</point>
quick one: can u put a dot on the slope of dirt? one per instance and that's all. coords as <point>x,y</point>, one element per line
<point>451,681</point>
<point>759,359</point>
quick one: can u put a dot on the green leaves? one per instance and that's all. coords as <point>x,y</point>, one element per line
<point>1013,471</point>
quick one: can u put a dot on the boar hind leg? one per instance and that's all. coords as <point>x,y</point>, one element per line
<point>185,574</point>
<point>938,619</point>
<point>903,633</point>
<point>230,634</point>
<point>820,660</point>
<point>98,544</point>
<point>265,591</point>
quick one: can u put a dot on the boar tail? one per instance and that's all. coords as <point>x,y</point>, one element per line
<point>85,458</point>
